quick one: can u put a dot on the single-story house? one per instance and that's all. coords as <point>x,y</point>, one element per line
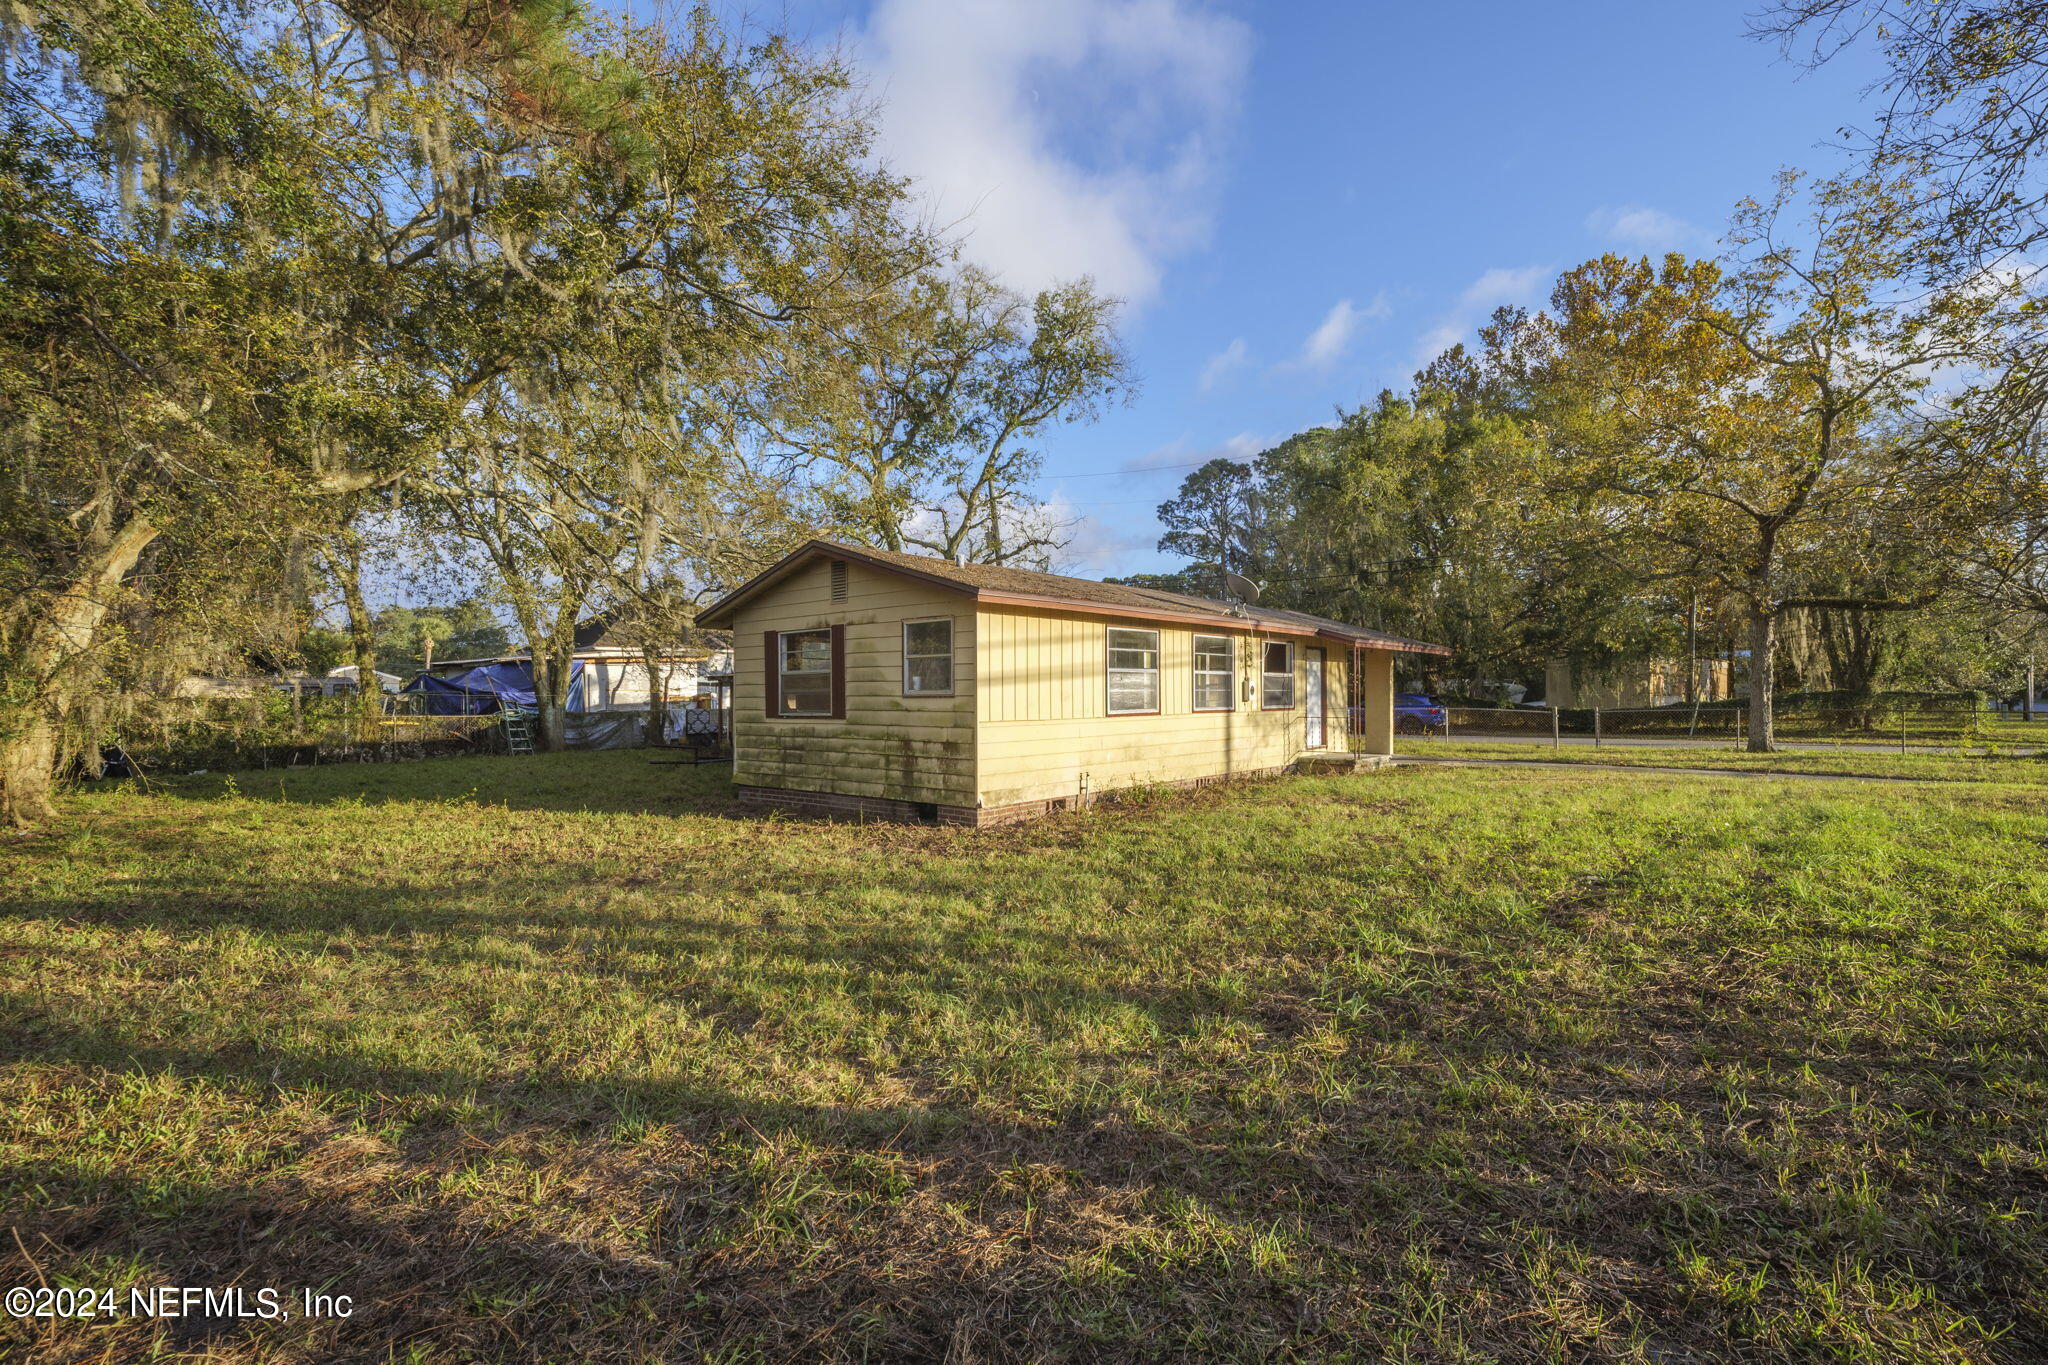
<point>906,687</point>
<point>339,682</point>
<point>386,682</point>
<point>209,685</point>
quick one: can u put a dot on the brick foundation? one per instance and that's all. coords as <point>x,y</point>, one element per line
<point>817,803</point>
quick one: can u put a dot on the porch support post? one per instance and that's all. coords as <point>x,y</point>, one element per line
<point>1376,698</point>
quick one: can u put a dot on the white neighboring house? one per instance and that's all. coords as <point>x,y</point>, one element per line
<point>339,682</point>
<point>614,676</point>
<point>386,682</point>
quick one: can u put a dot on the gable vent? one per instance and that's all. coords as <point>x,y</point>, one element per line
<point>838,580</point>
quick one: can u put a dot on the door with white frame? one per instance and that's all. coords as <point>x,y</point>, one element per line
<point>1312,703</point>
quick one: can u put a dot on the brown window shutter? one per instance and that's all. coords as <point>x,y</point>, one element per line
<point>839,672</point>
<point>774,692</point>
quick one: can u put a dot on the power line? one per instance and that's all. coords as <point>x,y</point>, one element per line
<point>1126,473</point>
<point>1098,502</point>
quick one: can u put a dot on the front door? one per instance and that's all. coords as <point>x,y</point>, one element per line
<point>1312,684</point>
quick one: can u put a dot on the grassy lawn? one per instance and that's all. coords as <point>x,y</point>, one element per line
<point>2004,769</point>
<point>555,1059</point>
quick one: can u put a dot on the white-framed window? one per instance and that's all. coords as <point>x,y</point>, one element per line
<point>1133,672</point>
<point>928,658</point>
<point>1214,673</point>
<point>804,673</point>
<point>1276,676</point>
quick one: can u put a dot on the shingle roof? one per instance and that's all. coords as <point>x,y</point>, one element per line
<point>590,633</point>
<point>995,582</point>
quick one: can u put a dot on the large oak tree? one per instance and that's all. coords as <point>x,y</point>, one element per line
<point>1770,424</point>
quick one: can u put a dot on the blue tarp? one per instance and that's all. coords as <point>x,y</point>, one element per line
<point>485,689</point>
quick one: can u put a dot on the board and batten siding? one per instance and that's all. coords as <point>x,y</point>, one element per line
<point>1045,727</point>
<point>887,745</point>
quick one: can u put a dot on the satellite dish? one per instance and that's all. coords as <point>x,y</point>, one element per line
<point>1239,588</point>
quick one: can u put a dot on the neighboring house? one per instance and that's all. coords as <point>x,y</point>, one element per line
<point>209,685</point>
<point>386,682</point>
<point>1635,682</point>
<point>607,674</point>
<point>905,687</point>
<point>339,683</point>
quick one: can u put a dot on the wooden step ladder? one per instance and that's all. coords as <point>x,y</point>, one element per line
<point>518,726</point>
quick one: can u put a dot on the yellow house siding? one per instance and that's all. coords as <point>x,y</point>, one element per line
<point>1046,729</point>
<point>888,745</point>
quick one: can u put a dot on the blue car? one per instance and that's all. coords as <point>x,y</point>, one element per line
<point>1415,714</point>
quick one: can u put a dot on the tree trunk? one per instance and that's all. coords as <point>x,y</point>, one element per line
<point>362,634</point>
<point>1692,649</point>
<point>1763,660</point>
<point>1854,646</point>
<point>68,630</point>
<point>657,697</point>
<point>551,676</point>
<point>1871,646</point>
<point>28,766</point>
<point>882,518</point>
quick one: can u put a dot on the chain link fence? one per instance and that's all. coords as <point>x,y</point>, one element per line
<point>281,729</point>
<point>1875,725</point>
<point>220,735</point>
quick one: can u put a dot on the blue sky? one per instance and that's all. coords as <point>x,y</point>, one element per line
<point>1302,201</point>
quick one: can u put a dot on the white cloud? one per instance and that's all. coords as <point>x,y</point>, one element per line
<point>1330,337</point>
<point>1504,284</point>
<point>1096,545</point>
<point>1180,456</point>
<point>1637,228</point>
<point>1243,447</point>
<point>1333,334</point>
<point>1066,137</point>
<point>1496,288</point>
<point>1112,519</point>
<point>1224,363</point>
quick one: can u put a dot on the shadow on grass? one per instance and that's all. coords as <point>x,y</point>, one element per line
<point>784,1229</point>
<point>619,782</point>
<point>1475,1187</point>
<point>788,1229</point>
